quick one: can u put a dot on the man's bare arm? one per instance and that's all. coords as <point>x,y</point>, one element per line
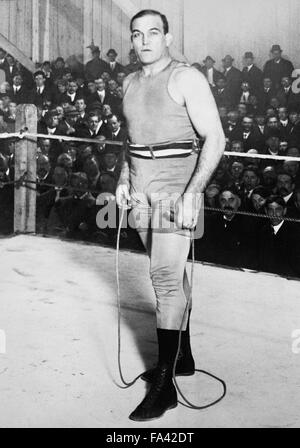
<point>204,115</point>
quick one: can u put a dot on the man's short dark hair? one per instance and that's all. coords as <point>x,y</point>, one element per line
<point>151,12</point>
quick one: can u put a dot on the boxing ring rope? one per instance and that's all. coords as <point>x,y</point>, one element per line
<point>27,135</point>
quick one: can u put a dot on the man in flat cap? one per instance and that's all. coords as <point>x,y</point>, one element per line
<point>96,66</point>
<point>114,67</point>
<point>233,79</point>
<point>209,71</point>
<point>277,67</point>
<point>252,74</point>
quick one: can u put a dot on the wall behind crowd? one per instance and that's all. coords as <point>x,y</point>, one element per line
<point>235,26</point>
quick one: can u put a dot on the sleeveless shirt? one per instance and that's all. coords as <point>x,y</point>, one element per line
<point>152,116</point>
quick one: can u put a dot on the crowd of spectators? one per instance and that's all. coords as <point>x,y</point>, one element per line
<point>260,113</point>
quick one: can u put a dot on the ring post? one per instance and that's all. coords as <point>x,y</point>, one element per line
<point>25,162</point>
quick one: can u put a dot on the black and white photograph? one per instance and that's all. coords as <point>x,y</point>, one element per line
<point>150,216</point>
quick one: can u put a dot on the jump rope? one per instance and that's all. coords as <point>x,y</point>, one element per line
<point>187,403</point>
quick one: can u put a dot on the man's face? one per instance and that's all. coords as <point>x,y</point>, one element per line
<point>61,87</point>
<point>80,105</point>
<point>283,146</point>
<point>273,122</point>
<point>260,120</point>
<point>105,76</point>
<point>132,58</point>
<point>111,57</point>
<point>39,80</point>
<point>106,110</point>
<point>293,117</point>
<point>209,63</point>
<point>242,109</point>
<point>120,78</point>
<point>60,176</point>
<point>2,54</point>
<point>222,111</point>
<point>148,39</point>
<point>245,86</point>
<point>12,108</point>
<point>100,84</point>
<point>17,80</point>
<point>237,147</point>
<point>52,121</point>
<point>227,62</point>
<point>285,82</point>
<point>72,119</point>
<point>92,87</point>
<point>250,179</point>
<point>282,113</point>
<point>237,170</point>
<point>273,143</point>
<point>269,177</point>
<point>10,60</point>
<point>247,124</point>
<point>45,146</point>
<point>274,102</point>
<point>60,112</point>
<point>233,116</point>
<point>276,55</point>
<point>229,202</point>
<point>275,212</point>
<point>112,85</point>
<point>258,201</point>
<point>114,124</point>
<point>291,167</point>
<point>93,123</point>
<point>72,87</point>
<point>285,185</point>
<point>267,83</point>
<point>248,61</point>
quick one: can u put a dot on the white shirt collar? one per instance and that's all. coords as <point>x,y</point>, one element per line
<point>288,197</point>
<point>276,228</point>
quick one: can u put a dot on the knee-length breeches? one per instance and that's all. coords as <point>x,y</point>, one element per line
<point>155,187</point>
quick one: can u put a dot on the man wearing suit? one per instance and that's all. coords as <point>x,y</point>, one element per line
<point>95,67</point>
<point>116,132</point>
<point>94,128</point>
<point>233,78</point>
<point>101,95</point>
<point>40,94</point>
<point>11,69</point>
<point>212,75</point>
<point>278,248</point>
<point>285,189</point>
<point>277,67</point>
<point>249,135</point>
<point>268,92</point>
<point>19,93</point>
<point>252,74</point>
<point>284,125</point>
<point>3,61</point>
<point>286,96</point>
<point>50,125</point>
<point>232,128</point>
<point>71,95</point>
<point>114,67</point>
<point>224,239</point>
<point>221,93</point>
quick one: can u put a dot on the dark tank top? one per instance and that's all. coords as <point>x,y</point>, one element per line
<point>153,117</point>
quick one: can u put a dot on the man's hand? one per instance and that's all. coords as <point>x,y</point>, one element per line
<point>187,209</point>
<point>123,196</point>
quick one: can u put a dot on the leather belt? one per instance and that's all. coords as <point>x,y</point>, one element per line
<point>169,150</point>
